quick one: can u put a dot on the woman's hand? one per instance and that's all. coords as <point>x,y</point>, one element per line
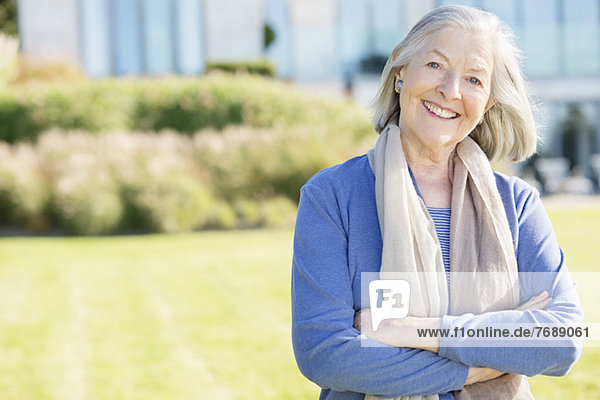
<point>539,302</point>
<point>362,322</point>
<point>400,332</point>
<point>481,375</point>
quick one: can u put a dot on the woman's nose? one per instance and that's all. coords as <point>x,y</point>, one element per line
<point>450,87</point>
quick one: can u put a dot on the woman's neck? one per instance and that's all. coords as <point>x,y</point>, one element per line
<point>430,170</point>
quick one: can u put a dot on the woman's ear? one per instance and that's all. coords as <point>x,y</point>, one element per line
<point>490,104</point>
<point>398,74</point>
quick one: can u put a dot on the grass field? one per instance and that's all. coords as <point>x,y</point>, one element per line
<point>196,316</point>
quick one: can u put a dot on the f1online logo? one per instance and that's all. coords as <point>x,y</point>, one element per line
<point>388,298</point>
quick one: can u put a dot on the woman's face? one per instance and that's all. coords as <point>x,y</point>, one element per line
<point>446,88</point>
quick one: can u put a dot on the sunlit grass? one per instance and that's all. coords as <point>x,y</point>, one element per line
<point>577,232</point>
<point>195,316</point>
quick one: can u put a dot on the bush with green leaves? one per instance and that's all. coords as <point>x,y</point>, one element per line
<point>24,191</point>
<point>182,104</point>
<point>166,203</point>
<point>86,207</point>
<point>117,182</point>
<point>166,155</point>
<point>84,198</point>
<point>260,67</point>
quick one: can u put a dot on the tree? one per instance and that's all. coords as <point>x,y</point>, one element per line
<point>8,17</point>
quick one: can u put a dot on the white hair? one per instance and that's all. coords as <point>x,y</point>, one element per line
<point>508,129</point>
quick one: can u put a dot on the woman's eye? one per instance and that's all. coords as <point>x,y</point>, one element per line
<point>434,65</point>
<point>474,81</point>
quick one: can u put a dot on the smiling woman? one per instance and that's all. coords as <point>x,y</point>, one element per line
<point>445,92</point>
<point>426,203</point>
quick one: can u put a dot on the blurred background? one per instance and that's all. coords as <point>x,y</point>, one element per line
<point>151,155</point>
<point>333,47</point>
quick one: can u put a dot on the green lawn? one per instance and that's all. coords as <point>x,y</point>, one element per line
<point>196,316</point>
<point>578,233</point>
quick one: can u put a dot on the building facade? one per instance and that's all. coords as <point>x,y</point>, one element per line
<point>141,37</point>
<point>561,42</point>
<point>324,40</point>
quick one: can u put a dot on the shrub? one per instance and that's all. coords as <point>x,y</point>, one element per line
<point>278,211</point>
<point>186,105</point>
<point>9,51</point>
<point>222,216</point>
<point>261,67</point>
<point>8,17</point>
<point>84,196</point>
<point>31,71</point>
<point>24,193</point>
<point>257,164</point>
<point>18,119</point>
<point>248,213</point>
<point>222,177</point>
<point>167,203</point>
<point>84,207</point>
<point>182,104</point>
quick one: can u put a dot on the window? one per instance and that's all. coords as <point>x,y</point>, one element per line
<point>127,38</point>
<point>582,37</point>
<point>541,38</point>
<point>506,10</point>
<point>158,49</point>
<point>472,3</point>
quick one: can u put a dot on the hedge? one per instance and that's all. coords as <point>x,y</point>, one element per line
<point>182,104</point>
<point>123,182</point>
<point>261,67</point>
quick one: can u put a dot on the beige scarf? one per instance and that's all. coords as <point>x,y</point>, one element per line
<point>480,241</point>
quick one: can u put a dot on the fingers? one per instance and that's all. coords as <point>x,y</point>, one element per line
<point>531,302</point>
<point>481,375</point>
<point>539,298</point>
<point>539,302</point>
<point>357,320</point>
<point>362,319</point>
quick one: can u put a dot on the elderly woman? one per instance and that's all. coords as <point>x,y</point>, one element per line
<point>425,201</point>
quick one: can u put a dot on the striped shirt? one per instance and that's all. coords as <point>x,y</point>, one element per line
<point>441,218</point>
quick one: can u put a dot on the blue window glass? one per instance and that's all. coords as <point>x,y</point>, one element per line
<point>353,33</point>
<point>582,37</point>
<point>314,37</point>
<point>506,10</point>
<point>127,37</point>
<point>95,37</point>
<point>190,39</point>
<point>388,27</point>
<point>541,37</point>
<point>279,52</point>
<point>472,3</point>
<point>597,132</point>
<point>158,42</point>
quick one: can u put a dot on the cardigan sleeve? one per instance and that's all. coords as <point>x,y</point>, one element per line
<point>541,266</point>
<point>326,346</point>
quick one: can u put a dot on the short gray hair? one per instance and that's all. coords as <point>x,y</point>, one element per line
<point>508,129</point>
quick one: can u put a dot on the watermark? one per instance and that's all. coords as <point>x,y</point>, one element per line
<point>521,332</point>
<point>388,299</point>
<point>389,296</point>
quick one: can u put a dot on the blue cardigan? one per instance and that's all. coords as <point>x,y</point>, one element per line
<point>337,238</point>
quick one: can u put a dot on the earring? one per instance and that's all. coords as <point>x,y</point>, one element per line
<point>398,85</point>
<point>480,121</point>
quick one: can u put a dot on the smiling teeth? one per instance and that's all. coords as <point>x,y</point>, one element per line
<point>438,111</point>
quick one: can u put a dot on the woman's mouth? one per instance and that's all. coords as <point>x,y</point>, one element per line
<point>440,112</point>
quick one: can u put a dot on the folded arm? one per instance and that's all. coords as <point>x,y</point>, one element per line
<point>542,274</point>
<point>541,267</point>
<point>326,345</point>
